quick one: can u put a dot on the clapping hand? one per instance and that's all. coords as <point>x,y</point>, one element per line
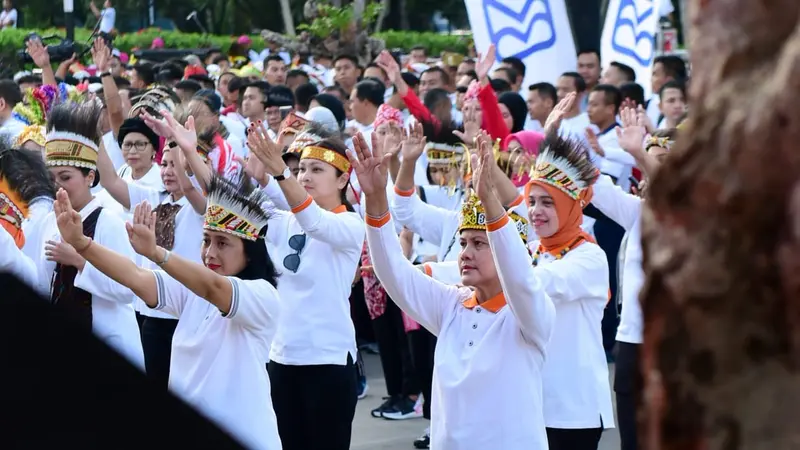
<point>632,132</point>
<point>371,167</point>
<point>142,232</point>
<point>553,121</point>
<point>101,55</point>
<point>387,62</point>
<point>265,149</point>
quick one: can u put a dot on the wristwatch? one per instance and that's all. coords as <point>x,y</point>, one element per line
<point>105,74</point>
<point>287,172</point>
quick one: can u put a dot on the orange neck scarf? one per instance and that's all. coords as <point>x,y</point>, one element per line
<point>16,233</point>
<point>570,217</point>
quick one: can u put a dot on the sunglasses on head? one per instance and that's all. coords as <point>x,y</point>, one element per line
<point>292,261</point>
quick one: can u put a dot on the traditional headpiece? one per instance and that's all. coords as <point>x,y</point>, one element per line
<point>292,125</point>
<point>663,142</point>
<point>565,165</point>
<point>444,154</point>
<point>35,133</point>
<point>388,114</point>
<point>72,135</point>
<point>153,101</point>
<point>235,208</point>
<point>472,91</point>
<point>329,156</point>
<point>37,103</point>
<point>23,178</point>
<point>473,217</point>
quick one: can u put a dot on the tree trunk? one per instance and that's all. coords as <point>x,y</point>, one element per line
<point>288,22</point>
<point>385,8</point>
<point>404,25</point>
<point>721,242</point>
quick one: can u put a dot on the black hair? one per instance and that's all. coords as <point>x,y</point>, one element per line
<point>590,51</point>
<point>273,57</point>
<point>411,80</point>
<point>632,91</point>
<point>280,96</point>
<point>627,71</point>
<point>511,74</point>
<point>516,64</point>
<point>261,86</point>
<point>259,264</point>
<point>121,82</point>
<point>472,74</point>
<point>346,56</point>
<point>209,98</point>
<point>191,86</point>
<point>517,107</point>
<point>436,97</point>
<point>338,146</point>
<point>580,83</point>
<point>674,66</point>
<point>334,105</point>
<point>204,80</point>
<point>303,95</point>
<point>611,95</point>
<point>442,73</point>
<point>545,90</point>
<point>146,72</point>
<point>336,88</point>
<point>672,84</point>
<point>500,86</point>
<point>81,119</point>
<point>237,84</point>
<point>30,79</point>
<point>26,172</point>
<point>218,59</point>
<point>168,73</point>
<point>383,72</point>
<point>297,73</point>
<point>370,90</point>
<point>419,47</point>
<point>10,92</point>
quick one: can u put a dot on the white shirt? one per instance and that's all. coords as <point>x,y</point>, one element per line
<point>107,18</point>
<point>575,376</point>
<point>487,360</point>
<point>625,209</point>
<point>575,127</point>
<point>11,128</point>
<point>617,162</point>
<point>15,262</point>
<point>9,16</point>
<point>218,362</point>
<point>316,327</point>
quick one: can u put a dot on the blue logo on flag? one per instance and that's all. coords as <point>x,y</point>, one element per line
<point>528,21</point>
<point>628,21</point>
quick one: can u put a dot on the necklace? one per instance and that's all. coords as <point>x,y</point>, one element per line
<point>560,254</point>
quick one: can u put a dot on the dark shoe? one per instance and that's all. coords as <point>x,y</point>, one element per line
<point>405,408</point>
<point>423,441</point>
<point>387,405</point>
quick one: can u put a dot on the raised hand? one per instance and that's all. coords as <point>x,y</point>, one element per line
<point>265,149</point>
<point>485,63</point>
<point>70,225</point>
<point>371,167</point>
<point>386,62</point>
<point>591,138</point>
<point>414,143</point>
<point>101,55</point>
<point>472,127</point>
<point>632,132</point>
<point>142,232</point>
<point>553,121</point>
<point>641,113</point>
<point>393,140</point>
<point>483,167</point>
<point>38,53</point>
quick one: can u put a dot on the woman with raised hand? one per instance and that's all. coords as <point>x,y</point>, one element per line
<point>227,306</point>
<point>492,332</point>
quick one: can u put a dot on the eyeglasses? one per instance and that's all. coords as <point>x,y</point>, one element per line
<point>139,146</point>
<point>292,261</point>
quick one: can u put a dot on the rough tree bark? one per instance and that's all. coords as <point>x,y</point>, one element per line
<point>721,236</point>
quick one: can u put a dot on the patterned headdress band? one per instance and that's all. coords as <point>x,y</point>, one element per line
<point>292,125</point>
<point>565,165</point>
<point>64,148</point>
<point>388,114</point>
<point>231,211</point>
<point>302,140</point>
<point>653,141</point>
<point>35,133</point>
<point>13,211</point>
<point>473,217</point>
<point>444,154</point>
<point>326,155</point>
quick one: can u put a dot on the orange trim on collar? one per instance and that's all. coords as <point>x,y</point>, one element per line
<point>339,209</point>
<point>494,304</point>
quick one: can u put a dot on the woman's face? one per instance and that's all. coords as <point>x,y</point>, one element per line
<point>659,153</point>
<point>168,172</point>
<point>542,212</point>
<point>223,253</point>
<point>507,117</point>
<point>475,261</point>
<point>518,156</point>
<point>442,174</point>
<point>71,179</point>
<point>472,106</point>
<point>138,151</point>
<point>320,180</point>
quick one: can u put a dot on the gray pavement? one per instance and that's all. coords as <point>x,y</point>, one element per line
<point>370,433</point>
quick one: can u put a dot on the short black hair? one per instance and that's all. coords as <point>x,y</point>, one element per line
<point>672,84</point>
<point>218,59</point>
<point>347,56</point>
<point>419,47</point>
<point>516,63</point>
<point>10,92</point>
<point>435,97</point>
<point>167,72</point>
<point>510,73</point>
<point>593,51</point>
<point>500,86</point>
<point>545,90</point>
<point>580,83</point>
<point>383,72</point>
<point>146,72</point>
<point>611,95</point>
<point>370,90</point>
<point>304,93</point>
<point>471,73</point>
<point>237,84</point>
<point>442,73</point>
<point>262,86</point>
<point>204,80</point>
<point>30,79</point>
<point>273,57</point>
<point>121,82</point>
<point>336,88</point>
<point>297,73</point>
<point>411,80</point>
<point>191,86</point>
<point>674,66</point>
<point>632,91</point>
<point>627,71</point>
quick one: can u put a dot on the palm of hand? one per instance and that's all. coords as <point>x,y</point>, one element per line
<point>184,138</point>
<point>371,176</point>
<point>412,148</point>
<point>70,227</point>
<point>632,137</point>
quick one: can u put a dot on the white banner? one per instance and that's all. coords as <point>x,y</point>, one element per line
<point>629,37</point>
<point>535,31</point>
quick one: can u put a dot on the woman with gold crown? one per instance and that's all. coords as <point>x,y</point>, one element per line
<point>74,285</point>
<point>228,306</point>
<point>495,327</point>
<point>573,271</point>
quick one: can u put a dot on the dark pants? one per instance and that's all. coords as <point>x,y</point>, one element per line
<point>423,344</point>
<point>579,439</point>
<point>360,315</point>
<point>157,347</point>
<point>627,382</point>
<point>398,369</point>
<point>314,405</point>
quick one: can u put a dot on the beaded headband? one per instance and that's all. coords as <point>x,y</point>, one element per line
<point>653,141</point>
<point>565,165</point>
<point>64,148</point>
<point>443,153</point>
<point>229,211</point>
<point>13,211</point>
<point>473,217</point>
<point>326,155</point>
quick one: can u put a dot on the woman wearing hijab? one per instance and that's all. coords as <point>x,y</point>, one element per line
<point>514,110</point>
<point>522,148</point>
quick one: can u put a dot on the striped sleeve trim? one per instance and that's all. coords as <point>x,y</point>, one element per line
<point>378,222</point>
<point>160,290</point>
<point>234,300</point>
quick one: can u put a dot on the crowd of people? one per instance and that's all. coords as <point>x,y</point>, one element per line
<point>242,227</point>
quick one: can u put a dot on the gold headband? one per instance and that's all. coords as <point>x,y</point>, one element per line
<point>653,141</point>
<point>326,155</point>
<point>64,148</point>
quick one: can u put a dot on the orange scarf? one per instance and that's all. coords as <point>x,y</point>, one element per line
<point>16,233</point>
<point>570,217</point>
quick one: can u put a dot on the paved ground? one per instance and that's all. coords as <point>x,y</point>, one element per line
<point>380,434</point>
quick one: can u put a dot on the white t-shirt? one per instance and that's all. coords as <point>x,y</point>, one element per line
<point>107,18</point>
<point>9,15</point>
<point>218,362</point>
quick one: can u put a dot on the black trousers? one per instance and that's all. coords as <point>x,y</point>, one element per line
<point>157,347</point>
<point>578,439</point>
<point>627,382</point>
<point>398,369</point>
<point>314,405</point>
<point>360,315</point>
<point>423,344</point>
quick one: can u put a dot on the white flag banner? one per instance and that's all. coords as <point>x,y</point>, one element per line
<point>536,31</point>
<point>629,37</point>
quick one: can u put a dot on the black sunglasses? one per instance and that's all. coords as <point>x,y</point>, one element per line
<point>461,89</point>
<point>292,261</point>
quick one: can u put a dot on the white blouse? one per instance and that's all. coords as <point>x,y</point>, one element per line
<point>13,261</point>
<point>488,359</point>
<point>218,362</point>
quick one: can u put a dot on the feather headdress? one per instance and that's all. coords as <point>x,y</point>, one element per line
<point>23,178</point>
<point>73,135</point>
<point>235,208</point>
<point>153,101</point>
<point>564,163</point>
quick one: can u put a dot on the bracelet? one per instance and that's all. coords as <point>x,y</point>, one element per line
<point>166,258</point>
<point>81,251</point>
<point>105,74</point>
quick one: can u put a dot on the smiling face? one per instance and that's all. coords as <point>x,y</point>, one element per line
<point>223,253</point>
<point>542,212</point>
<point>475,261</point>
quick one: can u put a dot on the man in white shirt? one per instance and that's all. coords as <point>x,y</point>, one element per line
<point>367,96</point>
<point>107,16</point>
<point>8,17</point>
<point>10,95</point>
<point>665,68</point>
<point>542,98</point>
<point>575,122</point>
<point>589,68</point>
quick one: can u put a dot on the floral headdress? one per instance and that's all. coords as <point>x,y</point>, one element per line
<point>473,217</point>
<point>472,91</point>
<point>235,208</point>
<point>37,104</point>
<point>663,142</point>
<point>388,114</point>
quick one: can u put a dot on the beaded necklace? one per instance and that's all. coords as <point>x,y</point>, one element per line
<point>560,254</point>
